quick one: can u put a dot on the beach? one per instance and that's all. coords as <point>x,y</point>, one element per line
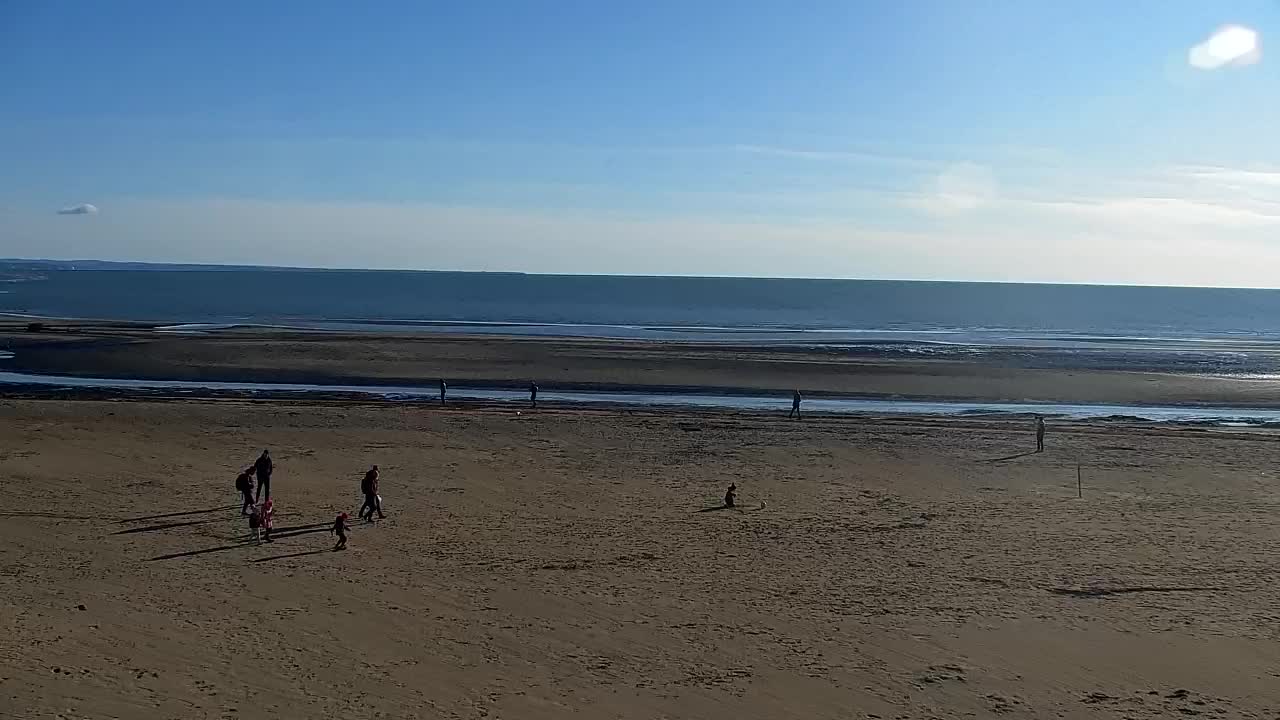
<point>81,349</point>
<point>541,564</point>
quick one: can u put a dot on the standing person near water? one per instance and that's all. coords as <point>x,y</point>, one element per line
<point>795,405</point>
<point>533,394</point>
<point>244,486</point>
<point>1039,433</point>
<point>444,387</point>
<point>263,467</point>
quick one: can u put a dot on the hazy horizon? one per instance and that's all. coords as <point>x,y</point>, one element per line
<point>160,264</point>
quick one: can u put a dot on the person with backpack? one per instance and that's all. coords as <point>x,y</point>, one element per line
<point>244,486</point>
<point>372,503</point>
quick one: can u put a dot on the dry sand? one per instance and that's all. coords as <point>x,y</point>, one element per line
<point>552,563</point>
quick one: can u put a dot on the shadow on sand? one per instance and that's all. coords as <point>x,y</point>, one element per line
<point>277,534</point>
<point>739,508</point>
<point>165,526</point>
<point>1094,592</point>
<point>178,514</point>
<point>51,516</point>
<point>189,553</point>
<point>294,555</point>
<point>1013,457</point>
<point>292,530</point>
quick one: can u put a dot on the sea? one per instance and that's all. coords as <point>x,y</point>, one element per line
<point>710,309</point>
<point>1216,332</point>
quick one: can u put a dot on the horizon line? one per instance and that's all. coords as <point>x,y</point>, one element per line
<point>229,266</point>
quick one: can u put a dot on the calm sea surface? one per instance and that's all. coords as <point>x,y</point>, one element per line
<point>801,312</point>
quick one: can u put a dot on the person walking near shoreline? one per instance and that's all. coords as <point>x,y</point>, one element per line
<point>533,394</point>
<point>263,467</point>
<point>1039,433</point>
<point>444,387</point>
<point>795,405</point>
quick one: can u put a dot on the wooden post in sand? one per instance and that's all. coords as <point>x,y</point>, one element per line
<point>1079,487</point>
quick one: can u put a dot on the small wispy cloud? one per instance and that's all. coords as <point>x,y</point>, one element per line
<point>81,209</point>
<point>957,189</point>
<point>1233,45</point>
<point>1141,213</point>
<point>1233,178</point>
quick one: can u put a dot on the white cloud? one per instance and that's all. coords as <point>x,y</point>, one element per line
<point>81,209</point>
<point>1231,45</point>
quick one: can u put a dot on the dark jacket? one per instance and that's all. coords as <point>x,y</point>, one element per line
<point>263,466</point>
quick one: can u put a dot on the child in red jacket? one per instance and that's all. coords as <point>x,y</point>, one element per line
<point>340,529</point>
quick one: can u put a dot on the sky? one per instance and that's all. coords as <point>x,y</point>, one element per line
<point>924,139</point>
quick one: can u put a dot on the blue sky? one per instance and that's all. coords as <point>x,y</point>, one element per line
<point>991,141</point>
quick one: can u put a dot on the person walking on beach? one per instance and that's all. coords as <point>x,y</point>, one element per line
<point>340,529</point>
<point>731,495</point>
<point>1039,433</point>
<point>244,486</point>
<point>367,490</point>
<point>533,394</point>
<point>262,466</point>
<point>795,405</point>
<point>444,387</point>
<point>372,503</point>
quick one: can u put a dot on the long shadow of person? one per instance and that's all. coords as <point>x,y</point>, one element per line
<point>1012,457</point>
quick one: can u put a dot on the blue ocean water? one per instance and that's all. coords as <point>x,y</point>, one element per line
<point>806,312</point>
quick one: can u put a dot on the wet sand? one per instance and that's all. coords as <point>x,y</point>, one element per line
<point>557,363</point>
<point>554,563</point>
